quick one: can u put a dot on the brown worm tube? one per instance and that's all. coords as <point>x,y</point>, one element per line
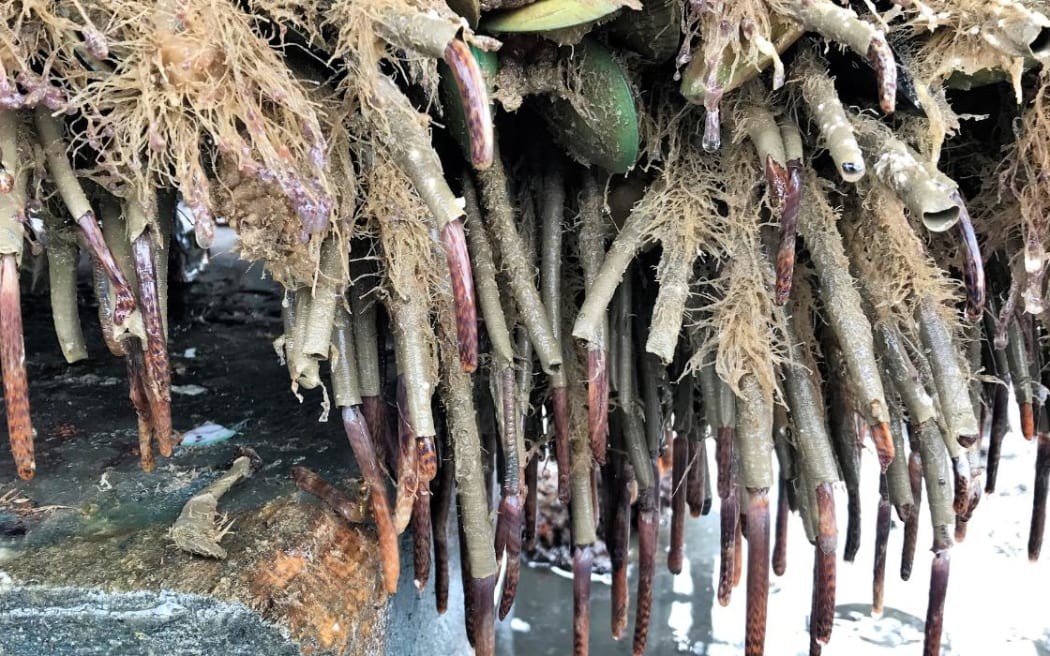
<point>100,284</point>
<point>757,570</point>
<point>582,563</point>
<point>125,303</point>
<point>560,408</point>
<point>973,265</point>
<point>310,482</point>
<point>911,525</point>
<point>648,527</point>
<point>482,592</point>
<point>823,614</point>
<point>780,541</point>
<point>619,544</point>
<point>729,520</point>
<point>454,240</point>
<point>1000,426</point>
<point>1020,375</point>
<point>473,93</point>
<point>531,497</point>
<point>935,608</point>
<point>679,486</point>
<point>426,458</point>
<point>362,445</point>
<point>157,370</point>
<point>696,473</point>
<point>785,260</point>
<point>139,400</point>
<point>1042,479</point>
<point>881,59</point>
<point>407,466</point>
<point>469,611</point>
<point>882,535</point>
<point>738,545</point>
<point>598,402</point>
<point>13,364</point>
<point>440,503</point>
<point>421,538</point>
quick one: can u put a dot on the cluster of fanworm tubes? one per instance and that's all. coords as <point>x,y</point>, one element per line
<point>793,317</point>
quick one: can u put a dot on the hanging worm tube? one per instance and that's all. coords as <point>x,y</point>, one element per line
<point>842,25</point>
<point>480,568</point>
<point>421,536</point>
<point>346,390</point>
<point>520,270</point>
<point>754,437</point>
<point>936,466</point>
<point>619,543</point>
<point>727,490</point>
<point>366,350</point>
<point>882,535</point>
<point>822,100</point>
<point>822,615</point>
<point>817,460</point>
<point>592,251</point>
<point>973,264</point>
<point>440,503</point>
<point>532,472</point>
<point>847,440</point>
<point>552,214</point>
<point>407,464</point>
<point>157,368</point>
<point>412,151</point>
<point>1042,482</point>
<point>785,260</point>
<point>137,394</point>
<point>633,429</point>
<point>12,345</point>
<point>508,524</point>
<point>911,525</point>
<point>1017,355</point>
<point>12,362</point>
<point>780,542</point>
<point>582,564</point>
<point>846,317</point>
<point>648,528</point>
<point>62,279</point>
<point>324,296</point>
<point>951,383</point>
<point>65,180</point>
<point>679,488</point>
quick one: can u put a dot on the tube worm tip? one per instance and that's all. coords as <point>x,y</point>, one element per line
<point>757,571</point>
<point>880,56</point>
<point>582,564</point>
<point>883,439</point>
<point>12,363</point>
<point>1027,420</point>
<point>473,93</point>
<point>935,608</point>
<point>1042,482</point>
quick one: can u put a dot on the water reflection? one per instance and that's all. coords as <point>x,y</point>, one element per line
<point>991,608</point>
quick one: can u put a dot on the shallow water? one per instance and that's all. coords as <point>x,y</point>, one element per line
<point>996,603</point>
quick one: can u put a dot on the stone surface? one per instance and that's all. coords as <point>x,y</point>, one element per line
<point>84,552</point>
